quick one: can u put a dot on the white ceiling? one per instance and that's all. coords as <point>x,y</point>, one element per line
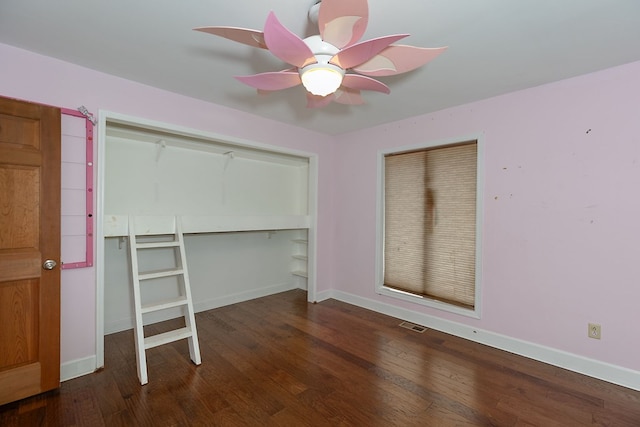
<point>495,46</point>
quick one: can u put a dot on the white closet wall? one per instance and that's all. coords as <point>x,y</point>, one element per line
<point>243,209</point>
<point>157,178</point>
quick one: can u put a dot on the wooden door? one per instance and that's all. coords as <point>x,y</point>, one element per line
<point>29,235</point>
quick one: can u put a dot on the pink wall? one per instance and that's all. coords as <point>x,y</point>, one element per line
<point>25,75</point>
<point>561,217</point>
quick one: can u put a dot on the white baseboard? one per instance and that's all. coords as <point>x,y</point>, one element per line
<point>198,306</point>
<point>324,295</point>
<point>572,362</point>
<point>118,325</point>
<point>77,368</point>
<point>241,297</point>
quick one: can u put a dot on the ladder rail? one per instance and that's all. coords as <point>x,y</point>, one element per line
<point>138,331</point>
<point>190,320</point>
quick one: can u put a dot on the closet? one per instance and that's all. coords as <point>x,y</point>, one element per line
<point>247,212</point>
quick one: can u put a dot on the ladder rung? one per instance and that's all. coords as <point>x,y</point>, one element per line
<point>160,273</point>
<point>302,257</point>
<point>167,337</point>
<point>163,305</point>
<point>150,245</point>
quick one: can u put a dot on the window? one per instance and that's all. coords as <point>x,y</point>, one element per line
<point>428,251</point>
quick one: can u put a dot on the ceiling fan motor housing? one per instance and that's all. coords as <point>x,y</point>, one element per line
<point>314,10</point>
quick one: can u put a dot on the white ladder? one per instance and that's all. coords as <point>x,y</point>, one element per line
<point>189,331</point>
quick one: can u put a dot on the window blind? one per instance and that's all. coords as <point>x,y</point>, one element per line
<point>430,223</point>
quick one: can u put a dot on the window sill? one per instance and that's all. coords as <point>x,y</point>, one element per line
<point>428,302</point>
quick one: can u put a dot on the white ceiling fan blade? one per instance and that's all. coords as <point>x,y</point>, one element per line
<point>364,51</point>
<point>342,23</point>
<point>241,35</point>
<point>358,82</point>
<point>398,59</point>
<point>271,81</point>
<point>348,96</point>
<point>316,101</point>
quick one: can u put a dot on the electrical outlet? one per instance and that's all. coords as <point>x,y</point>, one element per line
<point>595,331</point>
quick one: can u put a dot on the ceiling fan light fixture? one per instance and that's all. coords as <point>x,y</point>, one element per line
<point>321,79</point>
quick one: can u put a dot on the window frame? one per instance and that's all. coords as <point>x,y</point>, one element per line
<point>380,288</point>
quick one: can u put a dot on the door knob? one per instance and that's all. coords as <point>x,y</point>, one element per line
<point>49,264</point>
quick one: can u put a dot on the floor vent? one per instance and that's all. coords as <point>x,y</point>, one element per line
<point>413,327</point>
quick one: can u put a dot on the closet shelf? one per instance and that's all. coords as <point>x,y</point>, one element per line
<point>117,225</point>
<point>301,260</point>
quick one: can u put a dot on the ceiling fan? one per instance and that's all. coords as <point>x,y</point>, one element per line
<point>332,66</point>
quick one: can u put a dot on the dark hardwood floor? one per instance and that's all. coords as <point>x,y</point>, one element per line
<point>278,361</point>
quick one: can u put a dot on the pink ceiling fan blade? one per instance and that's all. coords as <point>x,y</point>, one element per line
<point>286,45</point>
<point>276,80</point>
<point>348,97</point>
<point>241,35</point>
<point>398,59</point>
<point>364,51</point>
<point>358,82</point>
<point>315,101</point>
<point>342,23</point>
